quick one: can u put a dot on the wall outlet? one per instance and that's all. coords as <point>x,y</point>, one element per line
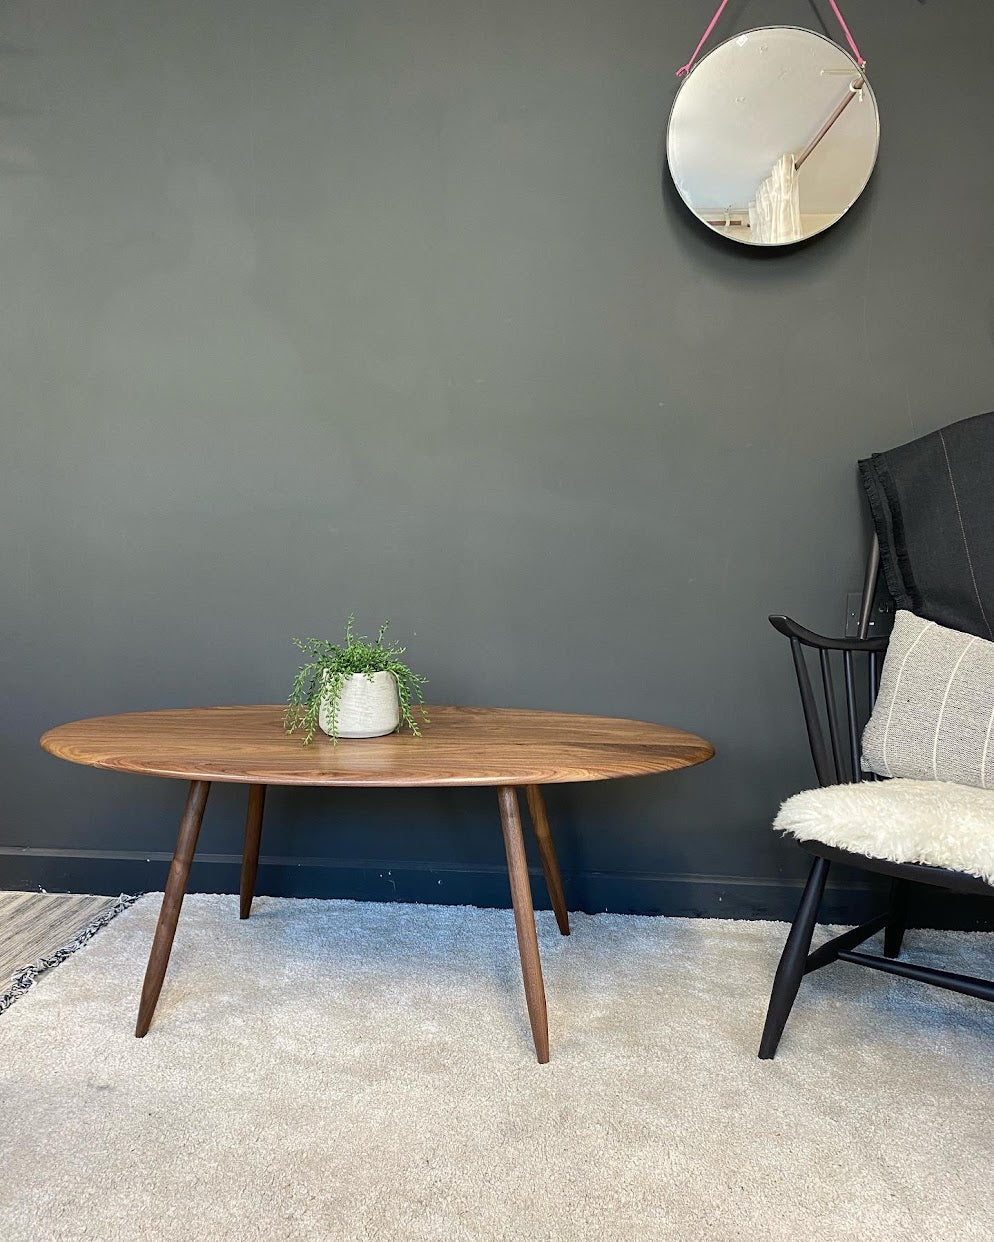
<point>881,615</point>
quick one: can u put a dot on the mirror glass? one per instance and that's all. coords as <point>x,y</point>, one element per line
<point>773,136</point>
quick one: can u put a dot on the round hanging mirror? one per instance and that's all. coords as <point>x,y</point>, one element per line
<point>772,136</point>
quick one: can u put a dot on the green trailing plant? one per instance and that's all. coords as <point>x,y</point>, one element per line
<point>329,665</point>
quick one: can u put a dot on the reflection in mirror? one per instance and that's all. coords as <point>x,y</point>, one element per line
<point>773,136</point>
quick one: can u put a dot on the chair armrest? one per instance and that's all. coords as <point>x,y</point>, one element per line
<point>790,629</point>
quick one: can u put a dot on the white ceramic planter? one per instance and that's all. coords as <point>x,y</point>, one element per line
<point>368,707</point>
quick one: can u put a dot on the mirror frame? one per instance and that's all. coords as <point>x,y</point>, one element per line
<point>857,72</point>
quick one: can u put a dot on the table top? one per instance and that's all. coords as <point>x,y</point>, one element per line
<point>459,746</point>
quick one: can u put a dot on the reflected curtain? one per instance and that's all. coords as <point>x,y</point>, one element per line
<point>775,216</point>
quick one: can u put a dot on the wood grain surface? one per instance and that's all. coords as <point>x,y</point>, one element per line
<point>460,746</point>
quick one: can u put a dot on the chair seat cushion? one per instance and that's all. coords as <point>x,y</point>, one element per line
<point>932,822</point>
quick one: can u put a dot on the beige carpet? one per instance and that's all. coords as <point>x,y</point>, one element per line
<point>332,1070</point>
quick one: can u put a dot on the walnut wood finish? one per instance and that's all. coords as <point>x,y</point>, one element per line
<point>547,853</point>
<point>524,920</point>
<point>460,746</point>
<point>172,902</point>
<point>250,854</point>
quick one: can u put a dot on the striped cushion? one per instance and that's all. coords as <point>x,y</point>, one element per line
<point>934,716</point>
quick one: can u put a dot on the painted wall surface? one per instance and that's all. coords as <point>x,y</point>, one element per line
<point>319,307</point>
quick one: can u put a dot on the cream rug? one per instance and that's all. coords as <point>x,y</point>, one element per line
<point>331,1070</point>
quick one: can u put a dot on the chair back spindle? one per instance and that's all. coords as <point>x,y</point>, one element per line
<point>835,714</point>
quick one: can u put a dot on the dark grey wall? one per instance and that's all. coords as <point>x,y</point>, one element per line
<point>318,307</point>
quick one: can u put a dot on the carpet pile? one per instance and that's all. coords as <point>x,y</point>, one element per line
<point>338,1070</point>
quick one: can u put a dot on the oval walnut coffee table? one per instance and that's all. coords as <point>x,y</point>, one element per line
<point>505,748</point>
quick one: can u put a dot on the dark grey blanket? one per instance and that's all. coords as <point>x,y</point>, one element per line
<point>933,508</point>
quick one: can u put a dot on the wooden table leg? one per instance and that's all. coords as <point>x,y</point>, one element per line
<point>547,852</point>
<point>165,930</point>
<point>250,854</point>
<point>524,919</point>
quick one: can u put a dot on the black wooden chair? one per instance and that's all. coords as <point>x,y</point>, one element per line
<point>835,704</point>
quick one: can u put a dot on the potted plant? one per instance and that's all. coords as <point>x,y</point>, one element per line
<point>358,688</point>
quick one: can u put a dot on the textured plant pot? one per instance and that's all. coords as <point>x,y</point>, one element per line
<point>368,706</point>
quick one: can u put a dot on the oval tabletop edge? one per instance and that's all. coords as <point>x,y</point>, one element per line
<point>459,746</point>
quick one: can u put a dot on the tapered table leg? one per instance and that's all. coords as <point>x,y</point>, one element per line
<point>524,919</point>
<point>250,854</point>
<point>172,901</point>
<point>547,852</point>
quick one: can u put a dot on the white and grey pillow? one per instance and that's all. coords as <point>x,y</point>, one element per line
<point>934,717</point>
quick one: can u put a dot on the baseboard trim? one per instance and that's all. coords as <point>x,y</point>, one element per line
<point>364,864</point>
<point>850,899</point>
<point>480,884</point>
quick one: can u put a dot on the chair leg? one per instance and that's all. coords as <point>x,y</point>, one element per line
<point>897,919</point>
<point>250,854</point>
<point>790,972</point>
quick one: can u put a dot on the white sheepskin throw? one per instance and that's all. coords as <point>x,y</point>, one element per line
<point>932,822</point>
